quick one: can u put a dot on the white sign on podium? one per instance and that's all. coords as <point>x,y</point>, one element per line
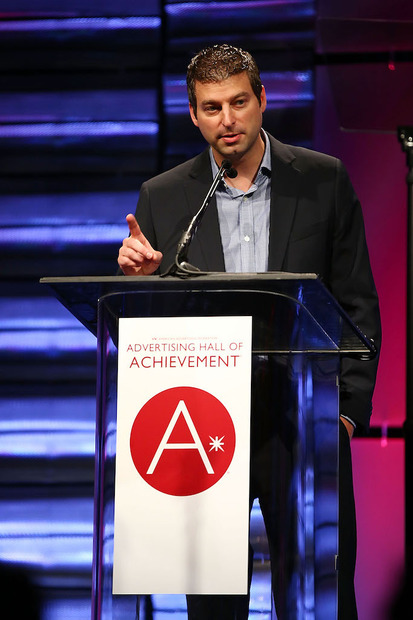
<point>182,456</point>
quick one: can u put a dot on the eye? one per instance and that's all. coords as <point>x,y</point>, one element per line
<point>210,109</point>
<point>240,102</point>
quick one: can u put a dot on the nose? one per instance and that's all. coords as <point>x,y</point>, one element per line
<point>227,116</point>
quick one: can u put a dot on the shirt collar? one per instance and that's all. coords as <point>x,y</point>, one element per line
<point>266,160</point>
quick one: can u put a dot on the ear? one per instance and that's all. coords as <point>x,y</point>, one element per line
<point>193,115</point>
<point>263,99</point>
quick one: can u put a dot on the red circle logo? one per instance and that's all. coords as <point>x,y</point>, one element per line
<point>182,441</point>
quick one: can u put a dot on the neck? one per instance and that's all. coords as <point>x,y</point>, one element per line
<point>247,165</point>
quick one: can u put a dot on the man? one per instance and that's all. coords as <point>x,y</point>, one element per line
<point>288,209</point>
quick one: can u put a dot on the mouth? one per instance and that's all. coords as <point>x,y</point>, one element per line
<point>230,138</point>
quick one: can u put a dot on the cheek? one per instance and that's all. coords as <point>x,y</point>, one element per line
<point>256,118</point>
<point>205,128</point>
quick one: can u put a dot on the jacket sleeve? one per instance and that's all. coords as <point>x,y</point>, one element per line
<point>351,282</point>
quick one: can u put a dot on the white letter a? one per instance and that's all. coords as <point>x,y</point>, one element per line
<point>196,445</point>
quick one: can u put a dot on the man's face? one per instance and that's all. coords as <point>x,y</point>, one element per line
<point>229,117</point>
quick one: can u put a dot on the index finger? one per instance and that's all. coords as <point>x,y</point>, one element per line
<point>134,228</point>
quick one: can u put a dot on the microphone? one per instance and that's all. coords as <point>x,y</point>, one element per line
<point>181,267</point>
<point>230,172</point>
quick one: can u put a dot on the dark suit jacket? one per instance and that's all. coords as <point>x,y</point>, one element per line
<point>316,225</point>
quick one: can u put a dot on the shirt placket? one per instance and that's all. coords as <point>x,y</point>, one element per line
<point>247,237</point>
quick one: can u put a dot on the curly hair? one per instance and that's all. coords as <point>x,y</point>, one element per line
<point>219,62</point>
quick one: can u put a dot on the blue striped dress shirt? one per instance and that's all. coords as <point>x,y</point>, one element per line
<point>244,219</point>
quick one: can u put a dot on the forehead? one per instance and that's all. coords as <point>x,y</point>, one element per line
<point>225,89</point>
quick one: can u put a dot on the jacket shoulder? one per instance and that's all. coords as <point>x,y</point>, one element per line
<point>303,159</point>
<point>177,174</point>
<point>307,159</point>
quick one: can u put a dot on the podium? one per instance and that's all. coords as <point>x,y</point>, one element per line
<point>299,333</point>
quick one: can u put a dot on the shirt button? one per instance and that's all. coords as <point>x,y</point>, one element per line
<point>246,238</point>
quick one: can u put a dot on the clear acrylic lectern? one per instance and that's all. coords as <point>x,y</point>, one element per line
<point>299,334</point>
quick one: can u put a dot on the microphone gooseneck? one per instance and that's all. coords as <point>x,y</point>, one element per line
<point>181,267</point>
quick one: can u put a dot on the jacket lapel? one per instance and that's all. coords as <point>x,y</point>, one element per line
<point>285,187</point>
<point>206,248</point>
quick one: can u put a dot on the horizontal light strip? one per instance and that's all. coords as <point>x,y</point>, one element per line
<point>67,608</point>
<point>300,7</point>
<point>46,425</point>
<point>92,208</point>
<point>48,341</point>
<point>81,23</point>
<point>59,553</point>
<point>138,104</point>
<point>99,128</point>
<point>52,236</point>
<point>49,552</point>
<point>51,412</point>
<point>37,322</point>
<point>48,527</point>
<point>47,445</point>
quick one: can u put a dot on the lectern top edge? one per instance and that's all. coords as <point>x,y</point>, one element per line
<point>211,277</point>
<point>83,296</point>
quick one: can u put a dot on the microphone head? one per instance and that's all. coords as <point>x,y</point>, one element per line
<point>229,170</point>
<point>231,173</point>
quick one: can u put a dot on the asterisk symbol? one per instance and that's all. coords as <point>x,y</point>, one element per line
<point>216,444</point>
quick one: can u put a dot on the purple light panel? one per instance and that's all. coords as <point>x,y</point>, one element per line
<point>80,23</point>
<point>64,129</point>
